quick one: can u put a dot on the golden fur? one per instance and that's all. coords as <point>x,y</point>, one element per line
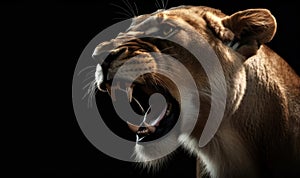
<point>260,133</point>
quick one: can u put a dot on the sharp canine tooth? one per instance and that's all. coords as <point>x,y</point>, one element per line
<point>168,112</point>
<point>129,91</point>
<point>133,127</point>
<point>112,90</point>
<point>150,127</point>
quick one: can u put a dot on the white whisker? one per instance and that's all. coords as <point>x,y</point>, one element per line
<point>84,69</point>
<point>88,90</point>
<point>167,1</point>
<point>129,7</point>
<point>86,94</point>
<point>92,91</point>
<point>128,14</point>
<point>88,78</point>
<point>167,48</point>
<point>136,9</point>
<point>85,86</point>
<point>92,72</point>
<point>162,3</point>
<point>122,13</point>
<point>157,4</point>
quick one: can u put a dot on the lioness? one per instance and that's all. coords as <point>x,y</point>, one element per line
<point>260,132</point>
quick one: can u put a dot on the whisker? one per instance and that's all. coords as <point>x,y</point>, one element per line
<point>129,7</point>
<point>87,93</point>
<point>160,81</point>
<point>95,91</point>
<point>84,69</point>
<point>136,9</point>
<point>170,47</point>
<point>91,72</point>
<point>88,84</point>
<point>122,13</point>
<point>167,1</point>
<point>87,78</point>
<point>157,4</point>
<point>92,94</point>
<point>139,104</point>
<point>122,8</point>
<point>163,5</point>
<point>155,82</point>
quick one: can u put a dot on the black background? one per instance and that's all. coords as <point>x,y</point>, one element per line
<point>45,40</point>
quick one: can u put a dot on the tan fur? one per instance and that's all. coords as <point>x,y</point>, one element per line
<point>260,132</point>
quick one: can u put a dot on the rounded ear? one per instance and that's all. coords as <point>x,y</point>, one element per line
<point>251,28</point>
<point>255,23</point>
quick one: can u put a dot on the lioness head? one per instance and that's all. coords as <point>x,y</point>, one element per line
<point>136,51</point>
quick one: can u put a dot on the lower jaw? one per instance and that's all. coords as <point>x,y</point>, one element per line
<point>154,150</point>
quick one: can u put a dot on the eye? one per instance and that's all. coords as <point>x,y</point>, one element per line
<point>167,30</point>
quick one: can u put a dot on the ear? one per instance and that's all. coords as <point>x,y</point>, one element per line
<point>251,28</point>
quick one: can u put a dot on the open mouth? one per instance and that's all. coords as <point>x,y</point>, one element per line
<point>156,121</point>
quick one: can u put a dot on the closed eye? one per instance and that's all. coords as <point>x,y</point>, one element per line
<point>161,31</point>
<point>167,30</point>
